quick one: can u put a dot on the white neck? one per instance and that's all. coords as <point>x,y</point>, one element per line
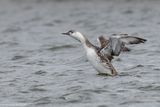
<point>80,37</point>
<point>85,42</point>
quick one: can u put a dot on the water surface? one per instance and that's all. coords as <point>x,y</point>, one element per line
<point>41,68</point>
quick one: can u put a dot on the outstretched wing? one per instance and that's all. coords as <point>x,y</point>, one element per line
<point>115,44</point>
<point>111,47</point>
<point>123,37</point>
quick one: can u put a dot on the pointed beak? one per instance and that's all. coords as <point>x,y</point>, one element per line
<point>65,33</point>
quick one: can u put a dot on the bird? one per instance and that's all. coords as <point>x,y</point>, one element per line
<point>101,57</point>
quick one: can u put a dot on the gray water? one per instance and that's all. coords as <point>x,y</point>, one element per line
<point>39,67</point>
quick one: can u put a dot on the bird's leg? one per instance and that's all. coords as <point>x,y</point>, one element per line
<point>114,72</point>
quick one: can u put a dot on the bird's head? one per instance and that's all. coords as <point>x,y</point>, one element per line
<point>74,34</point>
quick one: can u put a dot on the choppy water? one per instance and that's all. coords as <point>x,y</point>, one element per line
<point>41,68</point>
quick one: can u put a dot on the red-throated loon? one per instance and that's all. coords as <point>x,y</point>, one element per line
<point>100,57</point>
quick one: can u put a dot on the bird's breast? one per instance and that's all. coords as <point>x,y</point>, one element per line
<point>92,55</point>
<point>96,62</point>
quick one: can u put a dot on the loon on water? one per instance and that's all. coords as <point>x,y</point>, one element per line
<point>101,57</point>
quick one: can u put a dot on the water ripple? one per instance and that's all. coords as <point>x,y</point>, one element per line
<point>40,68</point>
<point>56,48</point>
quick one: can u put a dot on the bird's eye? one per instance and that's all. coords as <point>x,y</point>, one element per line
<point>71,31</point>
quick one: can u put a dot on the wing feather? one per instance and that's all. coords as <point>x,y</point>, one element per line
<point>102,41</point>
<point>132,40</point>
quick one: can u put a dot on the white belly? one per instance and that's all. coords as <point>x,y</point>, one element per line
<point>96,62</point>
